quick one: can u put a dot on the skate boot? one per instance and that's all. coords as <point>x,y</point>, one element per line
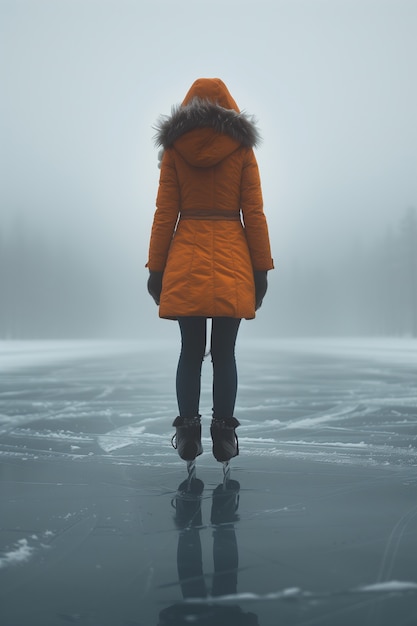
<point>225,441</point>
<point>187,438</point>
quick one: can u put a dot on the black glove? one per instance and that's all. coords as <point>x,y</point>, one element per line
<point>261,285</point>
<point>155,285</point>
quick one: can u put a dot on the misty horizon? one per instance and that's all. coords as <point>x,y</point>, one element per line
<point>332,87</point>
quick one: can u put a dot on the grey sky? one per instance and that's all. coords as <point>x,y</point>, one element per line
<point>331,82</point>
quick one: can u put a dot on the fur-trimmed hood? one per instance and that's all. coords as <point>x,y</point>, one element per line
<point>202,113</point>
<point>207,126</point>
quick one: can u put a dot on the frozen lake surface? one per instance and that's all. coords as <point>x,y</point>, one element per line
<point>318,525</point>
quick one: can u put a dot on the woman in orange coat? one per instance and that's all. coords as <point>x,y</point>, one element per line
<point>209,251</point>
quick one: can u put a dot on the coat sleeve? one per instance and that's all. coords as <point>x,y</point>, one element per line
<point>166,214</point>
<point>254,219</point>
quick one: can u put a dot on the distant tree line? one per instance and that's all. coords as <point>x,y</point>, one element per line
<point>47,290</point>
<point>369,290</point>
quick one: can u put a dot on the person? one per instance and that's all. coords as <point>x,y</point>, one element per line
<point>209,251</point>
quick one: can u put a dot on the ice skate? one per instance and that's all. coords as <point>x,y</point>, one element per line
<point>187,440</point>
<point>225,441</point>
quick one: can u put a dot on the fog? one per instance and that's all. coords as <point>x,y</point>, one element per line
<point>332,84</point>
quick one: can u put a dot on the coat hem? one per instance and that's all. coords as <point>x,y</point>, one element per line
<point>235,317</point>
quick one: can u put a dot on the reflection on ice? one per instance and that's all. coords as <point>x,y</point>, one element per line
<point>201,604</point>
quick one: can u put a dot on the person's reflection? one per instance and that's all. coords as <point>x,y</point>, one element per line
<point>188,520</point>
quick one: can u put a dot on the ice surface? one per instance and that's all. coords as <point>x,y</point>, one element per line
<point>22,354</point>
<point>319,526</point>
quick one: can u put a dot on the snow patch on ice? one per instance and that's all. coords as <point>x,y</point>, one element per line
<point>296,592</point>
<point>391,585</point>
<point>257,439</point>
<point>307,422</point>
<point>258,407</point>
<point>331,444</point>
<point>50,434</point>
<point>256,425</point>
<point>120,438</point>
<point>20,554</point>
<point>249,596</point>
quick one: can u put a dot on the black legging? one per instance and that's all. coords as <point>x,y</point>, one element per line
<point>222,347</point>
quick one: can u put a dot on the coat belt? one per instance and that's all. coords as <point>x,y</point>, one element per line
<point>209,214</point>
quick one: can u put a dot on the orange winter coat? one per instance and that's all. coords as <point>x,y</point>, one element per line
<point>209,231</point>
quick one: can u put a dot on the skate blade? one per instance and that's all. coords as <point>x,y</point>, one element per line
<point>191,469</point>
<point>226,473</point>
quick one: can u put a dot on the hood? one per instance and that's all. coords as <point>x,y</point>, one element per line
<point>208,126</point>
<point>212,89</point>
